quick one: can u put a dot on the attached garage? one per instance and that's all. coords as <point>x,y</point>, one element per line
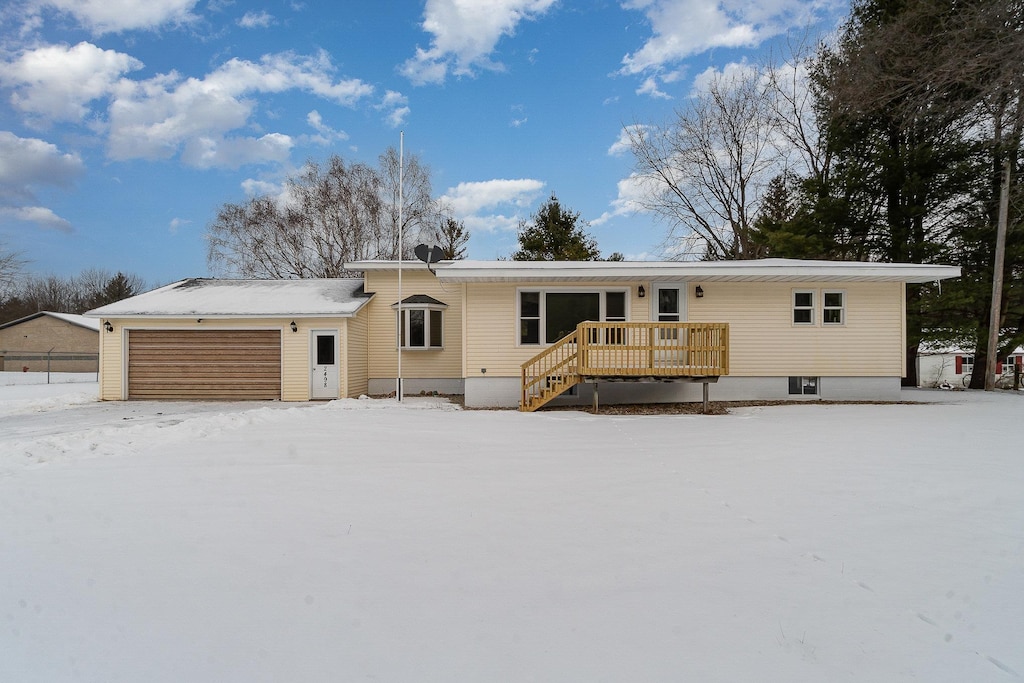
<point>212,339</point>
<point>204,364</point>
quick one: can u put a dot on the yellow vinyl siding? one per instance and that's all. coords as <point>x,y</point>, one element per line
<point>493,329</point>
<point>381,320</point>
<point>295,365</point>
<point>764,342</point>
<point>111,359</point>
<point>355,356</point>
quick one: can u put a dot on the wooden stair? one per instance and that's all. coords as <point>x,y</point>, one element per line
<point>625,351</point>
<point>549,374</point>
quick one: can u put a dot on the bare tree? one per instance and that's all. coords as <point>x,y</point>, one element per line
<point>11,264</point>
<point>419,210</point>
<point>706,171</point>
<point>327,215</point>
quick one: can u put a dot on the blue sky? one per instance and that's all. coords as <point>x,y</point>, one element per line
<point>125,124</point>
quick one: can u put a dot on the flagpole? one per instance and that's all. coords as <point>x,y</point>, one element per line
<point>401,311</point>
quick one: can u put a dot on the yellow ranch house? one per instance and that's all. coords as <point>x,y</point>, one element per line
<point>522,334</point>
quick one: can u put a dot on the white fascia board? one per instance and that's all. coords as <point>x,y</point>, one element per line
<point>363,266</point>
<point>769,270</point>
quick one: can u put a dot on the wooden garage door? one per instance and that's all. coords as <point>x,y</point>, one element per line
<point>206,364</point>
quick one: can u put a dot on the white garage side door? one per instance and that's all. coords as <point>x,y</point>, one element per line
<point>204,364</point>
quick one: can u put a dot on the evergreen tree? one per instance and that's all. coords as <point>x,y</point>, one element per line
<point>453,238</point>
<point>556,234</point>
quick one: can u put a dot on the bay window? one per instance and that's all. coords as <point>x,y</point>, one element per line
<point>420,322</point>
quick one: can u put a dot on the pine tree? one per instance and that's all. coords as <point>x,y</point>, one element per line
<point>556,234</point>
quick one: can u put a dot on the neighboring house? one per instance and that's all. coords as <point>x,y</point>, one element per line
<point>939,366</point>
<point>508,333</point>
<point>60,342</point>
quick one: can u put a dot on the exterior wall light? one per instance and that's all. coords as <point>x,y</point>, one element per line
<point>108,327</point>
<point>641,292</point>
<point>699,292</point>
<point>295,328</point>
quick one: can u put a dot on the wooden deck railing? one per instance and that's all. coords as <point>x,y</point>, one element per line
<point>549,373</point>
<point>625,350</point>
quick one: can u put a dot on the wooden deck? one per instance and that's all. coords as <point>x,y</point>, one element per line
<point>657,351</point>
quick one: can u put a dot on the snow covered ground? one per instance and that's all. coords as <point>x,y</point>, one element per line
<point>362,540</point>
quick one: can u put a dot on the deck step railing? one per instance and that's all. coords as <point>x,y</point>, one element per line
<point>549,373</point>
<point>658,350</point>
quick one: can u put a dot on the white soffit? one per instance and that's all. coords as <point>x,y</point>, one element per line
<point>767,270</point>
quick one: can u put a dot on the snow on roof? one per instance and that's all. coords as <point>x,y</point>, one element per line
<point>761,270</point>
<point>937,349</point>
<point>244,298</point>
<point>71,318</point>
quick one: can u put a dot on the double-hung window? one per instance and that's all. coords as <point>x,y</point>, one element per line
<point>833,307</point>
<point>547,316</point>
<point>803,307</point>
<point>420,322</point>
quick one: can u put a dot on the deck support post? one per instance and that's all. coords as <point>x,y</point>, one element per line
<point>705,386</point>
<point>595,398</point>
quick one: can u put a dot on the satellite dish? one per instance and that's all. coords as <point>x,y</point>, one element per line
<point>428,255</point>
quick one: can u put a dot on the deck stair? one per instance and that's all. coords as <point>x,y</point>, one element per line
<point>550,373</point>
<point>622,351</point>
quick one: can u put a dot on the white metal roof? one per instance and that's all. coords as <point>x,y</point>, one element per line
<point>764,270</point>
<point>243,299</point>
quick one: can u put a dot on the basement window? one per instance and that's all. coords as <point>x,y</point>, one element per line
<point>803,386</point>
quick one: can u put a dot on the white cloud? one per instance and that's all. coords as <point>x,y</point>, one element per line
<point>213,152</point>
<point>622,144</point>
<point>683,28</point>
<point>29,162</point>
<point>111,16</point>
<point>40,215</point>
<point>260,19</point>
<point>731,74</point>
<point>259,188</point>
<point>469,198</point>
<point>465,34</point>
<point>153,119</point>
<point>57,82</point>
<point>176,224</point>
<point>395,104</point>
<point>326,134</point>
<point>477,203</point>
<point>628,202</point>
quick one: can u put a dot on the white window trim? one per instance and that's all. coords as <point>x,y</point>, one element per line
<point>793,308</point>
<point>842,309</point>
<point>403,310</point>
<point>542,324</point>
<point>684,298</point>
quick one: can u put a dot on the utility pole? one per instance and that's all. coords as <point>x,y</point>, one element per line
<point>997,281</point>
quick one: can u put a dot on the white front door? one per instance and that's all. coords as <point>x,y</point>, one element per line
<point>668,307</point>
<point>324,354</point>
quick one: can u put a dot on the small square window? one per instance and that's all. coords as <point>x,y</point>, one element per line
<point>803,386</point>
